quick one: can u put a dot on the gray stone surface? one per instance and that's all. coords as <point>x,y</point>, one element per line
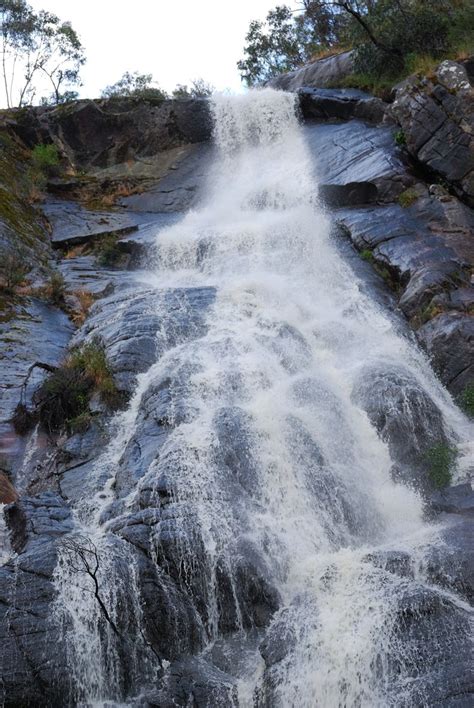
<point>437,119</point>
<point>72,224</point>
<point>330,104</point>
<point>322,72</point>
<point>356,164</point>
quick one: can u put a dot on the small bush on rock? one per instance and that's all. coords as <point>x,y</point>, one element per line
<point>62,401</point>
<point>407,198</point>
<point>441,461</point>
<point>45,158</point>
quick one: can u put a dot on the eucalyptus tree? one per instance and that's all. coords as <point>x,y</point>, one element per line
<point>37,49</point>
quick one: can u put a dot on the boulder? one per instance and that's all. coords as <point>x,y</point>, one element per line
<point>449,339</point>
<point>344,104</point>
<point>405,417</point>
<point>322,72</point>
<point>356,164</point>
<point>436,116</point>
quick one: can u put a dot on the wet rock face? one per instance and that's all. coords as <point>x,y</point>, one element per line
<point>27,628</point>
<point>436,118</point>
<point>356,164</point>
<point>345,104</point>
<point>106,132</point>
<point>405,417</point>
<point>449,338</point>
<point>320,73</point>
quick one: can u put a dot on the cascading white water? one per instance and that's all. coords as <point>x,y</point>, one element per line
<point>288,337</point>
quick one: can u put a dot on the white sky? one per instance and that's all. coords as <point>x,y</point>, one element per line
<point>176,41</point>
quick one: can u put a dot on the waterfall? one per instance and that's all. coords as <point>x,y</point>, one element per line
<point>271,465</point>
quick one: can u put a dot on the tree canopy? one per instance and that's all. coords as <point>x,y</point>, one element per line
<point>34,46</point>
<point>383,33</point>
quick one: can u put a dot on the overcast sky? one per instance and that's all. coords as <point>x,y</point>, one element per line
<point>175,40</point>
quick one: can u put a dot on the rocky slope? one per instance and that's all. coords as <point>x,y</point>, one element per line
<point>129,168</point>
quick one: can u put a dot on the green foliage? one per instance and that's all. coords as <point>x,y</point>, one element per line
<point>400,138</point>
<point>198,89</point>
<point>45,157</point>
<point>33,45</point>
<point>91,360</point>
<point>63,396</point>
<point>467,400</point>
<point>367,255</point>
<point>62,401</point>
<point>135,85</point>
<point>441,459</point>
<point>287,39</point>
<point>389,36</point>
<point>407,198</point>
<point>107,251</point>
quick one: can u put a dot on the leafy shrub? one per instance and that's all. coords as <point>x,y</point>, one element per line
<point>135,85</point>
<point>400,138</point>
<point>45,158</point>
<point>407,198</point>
<point>441,461</point>
<point>198,89</point>
<point>91,360</point>
<point>108,253</point>
<point>367,255</point>
<point>63,396</point>
<point>62,401</point>
<point>401,30</point>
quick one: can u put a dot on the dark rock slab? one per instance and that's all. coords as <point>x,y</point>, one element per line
<point>434,666</point>
<point>454,500</point>
<point>73,224</point>
<point>428,251</point>
<point>322,72</point>
<point>329,104</point>
<point>38,333</point>
<point>127,323</point>
<point>449,339</point>
<point>194,682</point>
<point>450,563</point>
<point>31,674</point>
<point>105,132</point>
<point>405,417</point>
<point>180,189</point>
<point>356,163</point>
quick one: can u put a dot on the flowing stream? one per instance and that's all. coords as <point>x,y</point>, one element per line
<point>288,339</point>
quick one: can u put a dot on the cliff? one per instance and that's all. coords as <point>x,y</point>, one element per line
<point>82,327</point>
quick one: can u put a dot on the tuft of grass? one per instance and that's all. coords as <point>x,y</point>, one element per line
<point>91,360</point>
<point>466,400</point>
<point>62,401</point>
<point>85,299</point>
<point>407,198</point>
<point>400,138</point>
<point>45,158</point>
<point>108,253</point>
<point>367,255</point>
<point>441,459</point>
